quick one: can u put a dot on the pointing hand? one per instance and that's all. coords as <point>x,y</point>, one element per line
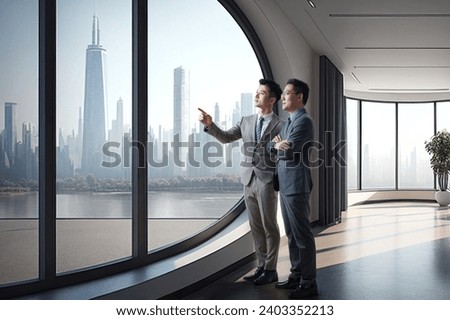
<point>204,118</point>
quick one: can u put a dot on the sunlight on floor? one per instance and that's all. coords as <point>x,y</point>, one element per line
<point>375,228</point>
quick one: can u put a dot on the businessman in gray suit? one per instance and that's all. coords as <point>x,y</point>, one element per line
<point>295,184</point>
<point>257,168</point>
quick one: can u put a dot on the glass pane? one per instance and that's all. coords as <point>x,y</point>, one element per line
<point>18,141</point>
<point>206,63</point>
<point>93,117</point>
<point>378,145</point>
<point>415,126</point>
<point>352,144</point>
<point>443,116</point>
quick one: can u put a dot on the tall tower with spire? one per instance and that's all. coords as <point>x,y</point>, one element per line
<point>181,114</point>
<point>94,128</point>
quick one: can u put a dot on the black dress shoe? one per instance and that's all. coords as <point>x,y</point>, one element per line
<point>290,283</point>
<point>305,290</point>
<point>259,271</point>
<point>268,276</point>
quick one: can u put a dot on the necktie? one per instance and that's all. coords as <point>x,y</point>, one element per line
<point>259,128</point>
<point>289,123</point>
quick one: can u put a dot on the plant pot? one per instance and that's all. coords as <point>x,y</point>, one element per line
<point>442,179</point>
<point>443,198</point>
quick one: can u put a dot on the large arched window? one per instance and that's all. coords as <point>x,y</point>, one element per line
<point>198,58</point>
<point>92,215</point>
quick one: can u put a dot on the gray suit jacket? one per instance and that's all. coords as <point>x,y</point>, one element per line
<point>255,158</point>
<point>293,165</point>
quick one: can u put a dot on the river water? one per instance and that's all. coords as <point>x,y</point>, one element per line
<point>161,205</point>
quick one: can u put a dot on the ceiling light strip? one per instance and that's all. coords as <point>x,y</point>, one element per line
<point>397,48</point>
<point>311,4</point>
<point>389,15</point>
<point>355,77</point>
<point>410,90</point>
<point>401,67</point>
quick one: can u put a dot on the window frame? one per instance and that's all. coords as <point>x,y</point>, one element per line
<point>48,278</point>
<point>359,146</point>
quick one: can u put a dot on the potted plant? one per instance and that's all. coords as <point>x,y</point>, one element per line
<point>439,149</point>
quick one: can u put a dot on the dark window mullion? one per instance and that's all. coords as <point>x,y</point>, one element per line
<point>139,124</point>
<point>435,131</point>
<point>359,148</point>
<point>47,139</point>
<point>396,147</point>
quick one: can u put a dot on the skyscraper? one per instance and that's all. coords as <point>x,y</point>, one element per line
<point>236,114</point>
<point>247,104</point>
<point>10,133</point>
<point>94,129</point>
<point>217,119</point>
<point>116,134</point>
<point>181,111</point>
<point>78,148</point>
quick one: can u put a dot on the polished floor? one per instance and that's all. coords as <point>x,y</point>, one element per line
<point>389,251</point>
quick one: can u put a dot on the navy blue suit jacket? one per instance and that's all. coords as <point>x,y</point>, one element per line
<point>293,165</point>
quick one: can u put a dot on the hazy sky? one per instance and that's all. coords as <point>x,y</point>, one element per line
<point>196,34</point>
<point>18,63</point>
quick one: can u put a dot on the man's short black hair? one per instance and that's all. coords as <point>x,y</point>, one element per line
<point>274,88</point>
<point>300,87</point>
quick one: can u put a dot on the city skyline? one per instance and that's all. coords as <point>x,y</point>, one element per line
<point>168,36</point>
<point>76,29</point>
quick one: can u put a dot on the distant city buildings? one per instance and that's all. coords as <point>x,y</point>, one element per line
<point>171,152</point>
<point>18,159</point>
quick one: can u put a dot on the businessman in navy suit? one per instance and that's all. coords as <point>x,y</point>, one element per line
<point>257,169</point>
<point>293,167</point>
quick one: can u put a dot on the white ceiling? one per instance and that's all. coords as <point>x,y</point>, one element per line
<point>382,46</point>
